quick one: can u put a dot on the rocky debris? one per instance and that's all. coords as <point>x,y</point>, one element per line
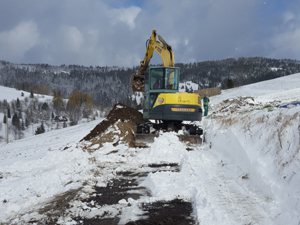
<point>119,126</point>
<point>241,105</point>
<point>233,105</point>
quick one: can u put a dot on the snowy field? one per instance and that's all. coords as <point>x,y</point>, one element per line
<point>11,94</point>
<point>247,171</point>
<point>283,89</point>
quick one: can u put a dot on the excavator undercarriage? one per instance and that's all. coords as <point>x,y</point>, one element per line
<point>147,132</point>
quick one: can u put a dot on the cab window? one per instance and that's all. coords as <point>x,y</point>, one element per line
<point>157,80</point>
<point>171,79</point>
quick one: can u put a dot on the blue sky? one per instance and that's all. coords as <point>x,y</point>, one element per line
<point>114,32</point>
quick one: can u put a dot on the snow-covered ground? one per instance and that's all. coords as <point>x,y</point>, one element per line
<point>247,171</point>
<point>10,94</point>
<point>282,89</point>
<point>34,169</point>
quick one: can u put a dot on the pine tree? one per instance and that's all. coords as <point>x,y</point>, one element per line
<point>40,129</point>
<point>27,122</point>
<point>8,112</point>
<point>18,104</point>
<point>5,119</point>
<point>15,121</point>
<point>229,83</point>
<point>22,125</point>
<point>45,106</point>
<point>31,94</point>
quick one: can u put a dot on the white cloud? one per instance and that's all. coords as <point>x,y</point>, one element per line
<point>17,41</point>
<point>287,43</point>
<point>126,15</point>
<point>98,32</point>
<point>288,16</point>
<point>73,38</point>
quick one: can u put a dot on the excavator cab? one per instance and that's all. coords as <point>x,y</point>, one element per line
<point>163,79</point>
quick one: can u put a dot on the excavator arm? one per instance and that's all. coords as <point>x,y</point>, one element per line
<point>158,44</point>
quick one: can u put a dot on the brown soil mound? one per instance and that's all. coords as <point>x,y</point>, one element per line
<point>119,125</point>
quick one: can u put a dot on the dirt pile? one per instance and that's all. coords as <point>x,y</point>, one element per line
<point>119,126</point>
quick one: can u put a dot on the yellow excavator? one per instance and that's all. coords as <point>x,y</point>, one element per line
<point>170,109</point>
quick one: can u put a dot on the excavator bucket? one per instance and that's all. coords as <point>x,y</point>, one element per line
<point>137,83</point>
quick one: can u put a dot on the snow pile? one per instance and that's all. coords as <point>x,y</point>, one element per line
<point>165,149</point>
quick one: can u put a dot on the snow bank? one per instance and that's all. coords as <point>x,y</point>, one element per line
<point>247,172</point>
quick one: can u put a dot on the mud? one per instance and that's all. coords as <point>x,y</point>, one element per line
<point>122,192</point>
<point>175,212</point>
<point>119,126</point>
<point>118,189</point>
<point>125,186</point>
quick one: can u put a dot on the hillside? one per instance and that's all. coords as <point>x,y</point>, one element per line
<point>245,173</point>
<point>23,114</point>
<point>110,85</point>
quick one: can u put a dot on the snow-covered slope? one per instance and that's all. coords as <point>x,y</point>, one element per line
<point>37,168</point>
<point>284,89</point>
<point>247,171</point>
<point>10,94</point>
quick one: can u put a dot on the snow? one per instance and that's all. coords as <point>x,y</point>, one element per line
<point>188,86</point>
<point>284,88</point>
<point>11,94</point>
<point>275,68</point>
<point>247,171</point>
<point>167,147</point>
<point>36,168</point>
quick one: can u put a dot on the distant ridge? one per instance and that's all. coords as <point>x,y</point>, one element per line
<point>110,85</point>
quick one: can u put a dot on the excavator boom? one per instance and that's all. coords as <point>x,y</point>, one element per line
<point>158,44</point>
